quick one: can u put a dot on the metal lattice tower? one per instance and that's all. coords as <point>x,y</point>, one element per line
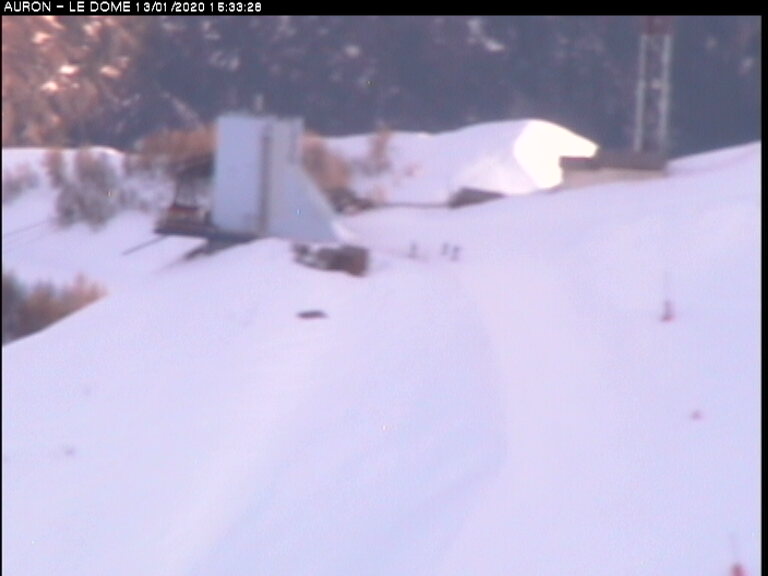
<point>653,85</point>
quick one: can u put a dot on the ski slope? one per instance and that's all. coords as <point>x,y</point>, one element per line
<point>518,410</point>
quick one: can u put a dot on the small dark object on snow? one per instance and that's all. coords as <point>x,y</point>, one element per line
<point>455,253</point>
<point>346,258</point>
<point>309,314</point>
<point>697,415</point>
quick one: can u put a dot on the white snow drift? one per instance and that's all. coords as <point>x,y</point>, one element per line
<point>516,157</point>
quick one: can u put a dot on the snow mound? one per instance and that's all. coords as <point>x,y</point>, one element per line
<point>515,157</point>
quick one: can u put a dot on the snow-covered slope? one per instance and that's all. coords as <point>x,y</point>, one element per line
<point>514,157</point>
<point>518,410</point>
<point>36,248</point>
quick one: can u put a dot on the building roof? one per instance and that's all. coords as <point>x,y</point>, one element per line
<point>617,159</point>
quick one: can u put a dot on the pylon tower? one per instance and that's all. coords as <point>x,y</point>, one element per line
<point>653,85</point>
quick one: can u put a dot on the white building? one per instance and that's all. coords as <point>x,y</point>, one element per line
<point>260,188</point>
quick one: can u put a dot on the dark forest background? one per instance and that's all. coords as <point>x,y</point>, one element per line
<point>74,81</point>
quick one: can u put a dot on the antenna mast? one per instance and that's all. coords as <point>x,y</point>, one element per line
<point>653,85</point>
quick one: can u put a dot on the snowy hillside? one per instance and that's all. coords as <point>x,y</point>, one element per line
<point>36,248</point>
<point>515,157</point>
<point>518,410</point>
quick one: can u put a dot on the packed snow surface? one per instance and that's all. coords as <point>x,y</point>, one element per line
<point>506,401</point>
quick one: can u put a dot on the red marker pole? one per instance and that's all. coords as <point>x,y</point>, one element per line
<point>668,311</point>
